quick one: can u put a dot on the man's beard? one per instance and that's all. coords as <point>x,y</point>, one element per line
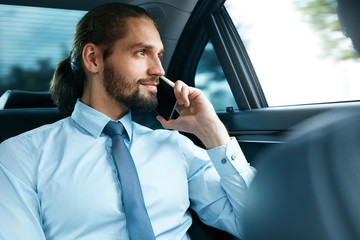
<point>127,92</point>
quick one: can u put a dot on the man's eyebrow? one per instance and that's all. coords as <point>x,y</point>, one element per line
<point>145,46</point>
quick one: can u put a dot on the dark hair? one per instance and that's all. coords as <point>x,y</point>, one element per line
<point>102,26</point>
<point>349,16</point>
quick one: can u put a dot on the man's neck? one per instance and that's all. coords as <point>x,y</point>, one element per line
<point>103,103</point>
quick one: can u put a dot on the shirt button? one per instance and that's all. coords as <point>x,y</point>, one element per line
<point>223,161</point>
<point>234,156</point>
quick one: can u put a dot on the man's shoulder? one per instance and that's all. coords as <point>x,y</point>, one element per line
<point>142,129</point>
<point>159,134</point>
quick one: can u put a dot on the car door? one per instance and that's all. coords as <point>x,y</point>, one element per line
<point>211,55</point>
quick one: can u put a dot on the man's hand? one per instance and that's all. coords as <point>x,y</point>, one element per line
<point>197,116</point>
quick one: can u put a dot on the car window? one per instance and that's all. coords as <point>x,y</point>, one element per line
<point>211,80</point>
<point>32,42</point>
<point>298,50</point>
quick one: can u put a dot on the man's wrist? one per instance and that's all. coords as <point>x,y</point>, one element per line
<point>214,135</point>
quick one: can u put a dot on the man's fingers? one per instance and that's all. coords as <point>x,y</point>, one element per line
<point>185,95</point>
<point>182,93</point>
<point>177,91</point>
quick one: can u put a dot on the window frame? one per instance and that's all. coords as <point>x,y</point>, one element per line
<point>235,61</point>
<point>211,21</point>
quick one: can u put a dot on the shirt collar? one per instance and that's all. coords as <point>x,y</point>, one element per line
<point>128,125</point>
<point>94,121</point>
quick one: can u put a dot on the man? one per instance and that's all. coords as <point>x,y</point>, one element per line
<point>61,181</point>
<point>309,187</point>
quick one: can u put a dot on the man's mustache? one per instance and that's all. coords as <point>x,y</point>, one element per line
<point>148,80</point>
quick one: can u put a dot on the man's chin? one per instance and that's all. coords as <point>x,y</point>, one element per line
<point>145,104</point>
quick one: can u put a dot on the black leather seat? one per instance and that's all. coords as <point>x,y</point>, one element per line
<point>21,111</point>
<point>25,99</point>
<point>18,120</point>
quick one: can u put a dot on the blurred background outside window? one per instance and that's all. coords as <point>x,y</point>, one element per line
<point>32,42</point>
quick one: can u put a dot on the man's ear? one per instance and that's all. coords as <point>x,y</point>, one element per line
<point>92,58</point>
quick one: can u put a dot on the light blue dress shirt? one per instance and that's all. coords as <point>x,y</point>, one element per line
<point>59,181</point>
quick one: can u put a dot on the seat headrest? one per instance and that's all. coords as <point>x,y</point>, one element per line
<point>25,99</point>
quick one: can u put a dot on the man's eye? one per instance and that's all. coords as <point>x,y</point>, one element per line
<point>140,53</point>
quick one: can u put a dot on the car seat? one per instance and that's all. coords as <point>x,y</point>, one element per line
<point>21,111</point>
<point>308,188</point>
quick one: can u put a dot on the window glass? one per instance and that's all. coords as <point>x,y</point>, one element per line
<point>298,50</point>
<point>211,80</point>
<point>32,42</point>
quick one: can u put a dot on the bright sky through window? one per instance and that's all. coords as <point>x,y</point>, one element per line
<point>287,55</point>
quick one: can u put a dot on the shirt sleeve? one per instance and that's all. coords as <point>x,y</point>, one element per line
<point>230,159</point>
<point>219,186</point>
<point>19,203</point>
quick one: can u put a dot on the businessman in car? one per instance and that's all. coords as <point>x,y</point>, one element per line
<point>97,174</point>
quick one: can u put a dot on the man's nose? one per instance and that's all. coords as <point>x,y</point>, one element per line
<point>156,68</point>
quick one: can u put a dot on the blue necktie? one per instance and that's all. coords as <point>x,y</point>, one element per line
<point>137,218</point>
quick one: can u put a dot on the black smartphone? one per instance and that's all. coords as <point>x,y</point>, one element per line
<point>166,98</point>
